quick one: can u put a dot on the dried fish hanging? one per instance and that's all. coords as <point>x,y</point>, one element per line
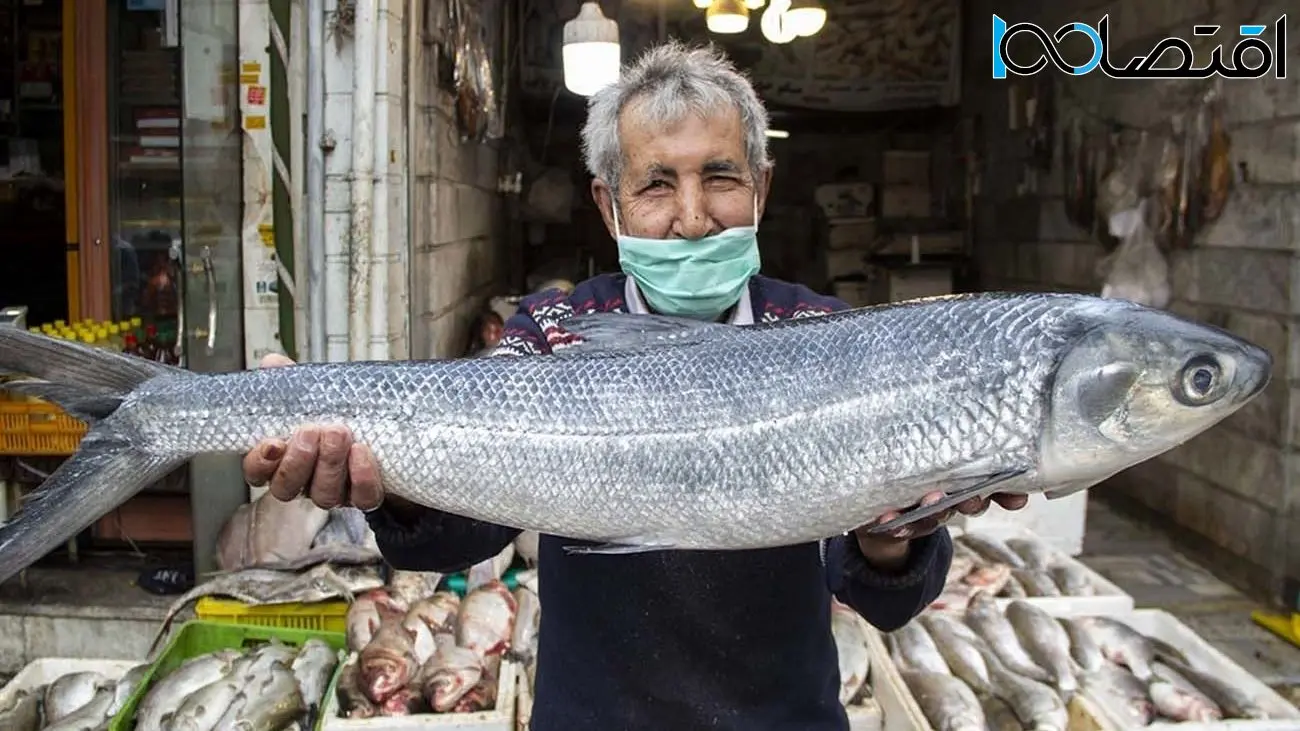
<point>1183,167</point>
<point>1216,178</point>
<point>474,84</point>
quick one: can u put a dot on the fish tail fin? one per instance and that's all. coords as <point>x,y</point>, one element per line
<point>104,473</point>
<point>76,370</point>
<point>107,468</point>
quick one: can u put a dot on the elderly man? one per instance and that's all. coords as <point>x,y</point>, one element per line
<point>670,639</point>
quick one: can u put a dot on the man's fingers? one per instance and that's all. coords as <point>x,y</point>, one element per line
<point>1011,501</point>
<point>973,506</point>
<point>260,464</point>
<point>367,491</point>
<point>329,480</point>
<point>931,498</point>
<point>273,360</point>
<point>298,464</point>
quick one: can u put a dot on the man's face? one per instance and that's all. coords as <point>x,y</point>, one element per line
<point>684,181</point>
<point>493,329</point>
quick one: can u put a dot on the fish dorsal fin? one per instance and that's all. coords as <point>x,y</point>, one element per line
<point>617,332</point>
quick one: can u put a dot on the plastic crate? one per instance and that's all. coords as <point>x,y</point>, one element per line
<point>197,637</point>
<point>33,428</point>
<point>331,616</point>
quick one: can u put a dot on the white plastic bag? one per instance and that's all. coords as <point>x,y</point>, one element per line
<point>1137,271</point>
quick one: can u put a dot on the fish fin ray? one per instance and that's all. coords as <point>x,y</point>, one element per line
<point>104,472</point>
<point>617,332</point>
<point>1069,488</point>
<point>82,403</point>
<point>623,547</point>
<point>982,486</point>
<point>75,364</point>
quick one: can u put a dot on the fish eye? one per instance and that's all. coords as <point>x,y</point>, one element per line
<point>1198,380</point>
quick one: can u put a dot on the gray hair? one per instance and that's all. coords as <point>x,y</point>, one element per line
<point>668,82</point>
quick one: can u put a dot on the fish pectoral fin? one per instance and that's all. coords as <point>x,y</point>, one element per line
<point>984,485</point>
<point>608,331</point>
<point>623,547</point>
<point>1067,489</point>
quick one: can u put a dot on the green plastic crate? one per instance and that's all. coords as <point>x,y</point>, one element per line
<point>198,637</point>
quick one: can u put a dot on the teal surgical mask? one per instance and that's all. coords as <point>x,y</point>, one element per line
<point>696,278</point>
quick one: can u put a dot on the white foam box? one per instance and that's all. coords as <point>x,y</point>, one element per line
<point>906,201</point>
<point>1061,522</point>
<point>902,712</point>
<point>845,262</point>
<point>907,283</point>
<point>1204,657</point>
<point>501,718</point>
<point>841,200</point>
<point>851,233</point>
<point>46,670</point>
<point>852,292</point>
<point>1108,597</point>
<point>906,167</point>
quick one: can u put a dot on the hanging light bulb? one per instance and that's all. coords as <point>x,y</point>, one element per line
<point>751,4</point>
<point>592,55</point>
<point>805,17</point>
<point>727,16</point>
<point>775,27</point>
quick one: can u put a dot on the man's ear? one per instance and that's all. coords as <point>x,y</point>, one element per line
<point>604,199</point>
<point>763,184</point>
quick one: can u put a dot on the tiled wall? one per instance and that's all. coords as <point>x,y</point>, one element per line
<point>1231,486</point>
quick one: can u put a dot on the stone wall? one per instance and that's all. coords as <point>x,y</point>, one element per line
<point>1230,487</point>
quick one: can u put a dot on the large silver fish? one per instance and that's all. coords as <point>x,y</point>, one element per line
<point>661,433</point>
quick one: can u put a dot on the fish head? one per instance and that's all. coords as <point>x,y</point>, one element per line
<point>1135,382</point>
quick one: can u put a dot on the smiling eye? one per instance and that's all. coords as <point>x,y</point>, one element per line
<point>1199,380</point>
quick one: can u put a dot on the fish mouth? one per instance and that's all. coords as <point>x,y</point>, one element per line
<point>1255,370</point>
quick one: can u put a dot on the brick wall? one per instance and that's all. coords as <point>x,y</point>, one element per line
<point>1230,487</point>
<point>456,216</point>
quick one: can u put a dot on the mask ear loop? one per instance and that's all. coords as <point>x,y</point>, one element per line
<point>613,206</point>
<point>755,211</point>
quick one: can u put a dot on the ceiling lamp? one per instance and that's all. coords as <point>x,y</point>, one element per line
<point>592,56</point>
<point>751,4</point>
<point>805,17</point>
<point>727,16</point>
<point>776,28</point>
<point>702,4</point>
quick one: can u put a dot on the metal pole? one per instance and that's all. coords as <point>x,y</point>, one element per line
<point>315,187</point>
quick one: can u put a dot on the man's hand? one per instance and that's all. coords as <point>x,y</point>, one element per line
<point>321,460</point>
<point>889,552</point>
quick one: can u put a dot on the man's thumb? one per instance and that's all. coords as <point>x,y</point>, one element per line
<point>272,360</point>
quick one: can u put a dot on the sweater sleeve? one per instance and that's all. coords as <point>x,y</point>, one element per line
<point>889,600</point>
<point>433,540</point>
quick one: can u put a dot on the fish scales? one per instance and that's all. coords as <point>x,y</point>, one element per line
<point>433,426</point>
<point>648,434</point>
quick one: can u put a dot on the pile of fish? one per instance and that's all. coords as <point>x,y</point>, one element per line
<point>1016,568</point>
<point>432,651</point>
<point>1017,669</point>
<point>82,699</point>
<point>272,686</point>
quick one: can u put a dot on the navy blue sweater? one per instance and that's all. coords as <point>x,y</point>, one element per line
<point>680,640</point>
